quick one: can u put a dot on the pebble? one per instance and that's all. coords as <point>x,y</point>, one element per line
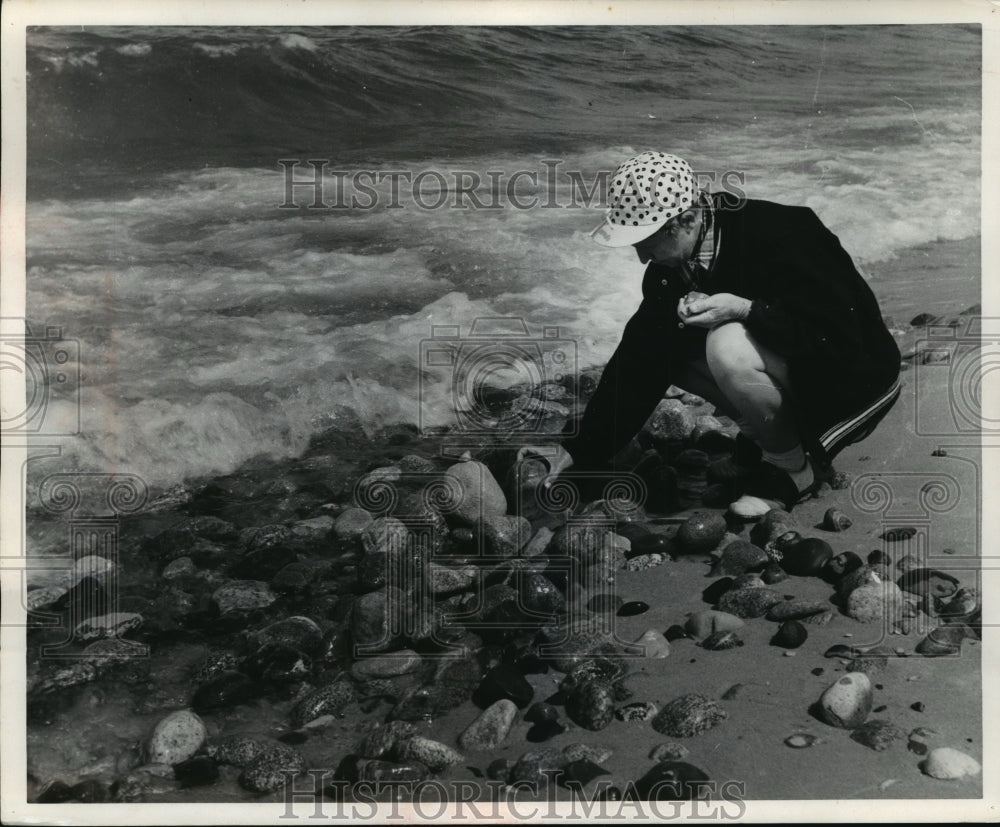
<point>445,580</point>
<point>238,750</point>
<point>176,738</point>
<point>591,705</point>
<point>503,682</point>
<point>806,557</point>
<point>327,700</point>
<point>714,591</point>
<point>116,624</point>
<point>948,764</point>
<point>400,662</point>
<point>790,635</point>
<point>918,706</point>
<point>718,641</point>
<point>296,632</point>
<point>944,640</point>
<point>435,755</point>
<point>580,773</point>
<point>180,567</point>
<point>671,421</point>
<point>842,564</point>
<point>544,731</point>
<point>688,715</point>
<point>836,520</point>
<point>537,544</point>
<point>796,609</point>
<point>196,772</point>
<point>750,580</point>
<point>875,602</point>
<point>638,711</point>
<point>497,770</point>
<point>928,582</point>
<point>877,734</point>
<point>479,495</point>
<point>271,769</point>
<point>503,535</point>
<point>772,526</point>
<point>654,644</point>
<point>591,752</point>
<point>382,737</point>
<point>847,702</point>
<point>540,713</point>
<point>225,690</point>
<point>670,751</point>
<point>748,603</point>
<point>632,608</point>
<point>676,632</point>
<point>701,532</point>
<point>243,595</point>
<point>704,623</point>
<point>371,618</point>
<point>642,562</point>
<point>490,729</point>
<point>672,781</point>
<point>390,772</point>
<point>801,740</point>
<point>351,523</point>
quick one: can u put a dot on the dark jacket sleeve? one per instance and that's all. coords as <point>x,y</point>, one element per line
<point>807,306</point>
<point>632,383</point>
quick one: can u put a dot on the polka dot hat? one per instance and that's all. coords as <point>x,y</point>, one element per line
<point>646,191</point>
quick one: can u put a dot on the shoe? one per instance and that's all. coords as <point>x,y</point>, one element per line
<point>745,458</point>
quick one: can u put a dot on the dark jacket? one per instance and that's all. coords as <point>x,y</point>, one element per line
<point>810,305</point>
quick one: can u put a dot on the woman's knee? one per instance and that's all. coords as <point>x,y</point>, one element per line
<point>730,350</point>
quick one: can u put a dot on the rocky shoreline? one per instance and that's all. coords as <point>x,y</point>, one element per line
<point>387,611</point>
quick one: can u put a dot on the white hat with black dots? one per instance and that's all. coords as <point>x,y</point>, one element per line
<point>646,191</point>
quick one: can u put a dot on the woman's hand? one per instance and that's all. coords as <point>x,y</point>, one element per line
<point>709,311</point>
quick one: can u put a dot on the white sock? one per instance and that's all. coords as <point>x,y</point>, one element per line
<point>795,463</point>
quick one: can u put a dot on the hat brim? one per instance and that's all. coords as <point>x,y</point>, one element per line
<point>608,234</point>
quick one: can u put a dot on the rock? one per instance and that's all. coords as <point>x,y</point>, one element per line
<point>847,702</point>
<point>875,602</point>
<point>688,715</point>
<point>400,662</point>
<point>672,781</point>
<point>586,752</point>
<point>702,624</point>
<point>119,659</point>
<point>445,580</point>
<point>863,576</point>
<point>790,635</point>
<point>844,563</point>
<point>644,561</point>
<point>478,494</point>
<point>907,563</point>
<point>295,632</point>
<point>275,766</point>
<point>224,691</point>
<point>836,520</point>
<point>540,595</point>
<point>372,618</point>
<point>112,625</point>
<point>577,774</point>
<point>749,603</point>
<point>806,557</point>
<point>196,772</point>
<point>653,644</point>
<point>801,740</point>
<point>775,523</point>
<point>701,532</point>
<point>773,573</point>
<point>719,641</point>
<point>632,608</point>
<point>738,557</point>
<point>327,700</point>
<point>948,764</point>
<point>381,738</point>
<point>544,731</point>
<point>877,734</point>
<point>349,526</point>
<point>671,421</point>
<point>433,754</point>
<point>607,669</point>
<point>489,730</point>
<point>502,535</point>
<point>503,682</point>
<point>750,580</point>
<point>180,567</point>
<point>238,750</point>
<point>944,640</point>
<point>928,582</point>
<point>537,544</point>
<point>176,738</point>
<point>591,705</point>
<point>390,772</point>
<point>796,609</point>
<point>639,711</point>
<point>243,595</point>
<point>671,751</point>
<point>537,768</point>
